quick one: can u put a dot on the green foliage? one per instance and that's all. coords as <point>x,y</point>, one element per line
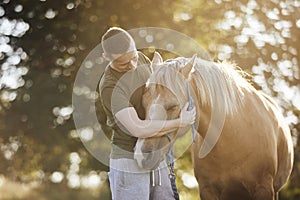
<point>35,141</point>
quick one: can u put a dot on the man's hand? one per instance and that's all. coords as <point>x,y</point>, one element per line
<point>187,117</point>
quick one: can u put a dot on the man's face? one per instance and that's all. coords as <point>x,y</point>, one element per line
<point>124,62</point>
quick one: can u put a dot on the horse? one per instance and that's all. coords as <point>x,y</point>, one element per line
<point>243,147</point>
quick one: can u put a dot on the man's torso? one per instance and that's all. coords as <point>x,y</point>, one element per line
<point>121,90</point>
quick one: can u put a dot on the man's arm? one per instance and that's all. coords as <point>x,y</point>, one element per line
<point>153,128</point>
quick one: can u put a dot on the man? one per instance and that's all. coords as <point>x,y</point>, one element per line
<point>121,89</point>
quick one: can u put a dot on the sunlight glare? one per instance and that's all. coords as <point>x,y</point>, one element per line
<point>86,134</point>
<point>189,181</point>
<point>18,8</point>
<point>66,111</point>
<point>50,14</point>
<point>91,181</point>
<point>73,180</point>
<point>56,177</point>
<point>74,158</point>
<point>2,11</point>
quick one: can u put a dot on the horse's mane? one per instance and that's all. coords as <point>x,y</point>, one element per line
<point>219,85</point>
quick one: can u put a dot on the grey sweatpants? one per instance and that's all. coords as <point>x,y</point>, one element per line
<point>129,182</point>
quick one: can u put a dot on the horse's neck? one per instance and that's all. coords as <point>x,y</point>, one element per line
<point>203,111</point>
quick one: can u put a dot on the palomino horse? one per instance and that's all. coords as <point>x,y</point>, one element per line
<point>243,149</point>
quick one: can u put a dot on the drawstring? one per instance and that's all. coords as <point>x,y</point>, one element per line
<point>159,177</point>
<point>153,177</point>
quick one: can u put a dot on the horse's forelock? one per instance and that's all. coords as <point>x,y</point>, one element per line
<point>170,77</point>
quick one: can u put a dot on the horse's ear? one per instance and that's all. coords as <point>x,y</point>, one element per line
<point>186,70</point>
<point>156,61</point>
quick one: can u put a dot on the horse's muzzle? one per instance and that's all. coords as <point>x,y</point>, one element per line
<point>152,160</point>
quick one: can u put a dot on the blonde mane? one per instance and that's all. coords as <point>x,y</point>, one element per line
<point>219,85</point>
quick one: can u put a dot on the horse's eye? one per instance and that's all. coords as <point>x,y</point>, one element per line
<point>171,107</point>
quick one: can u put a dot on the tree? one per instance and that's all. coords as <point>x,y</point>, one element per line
<point>48,41</point>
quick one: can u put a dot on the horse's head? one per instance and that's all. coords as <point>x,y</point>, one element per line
<point>163,99</point>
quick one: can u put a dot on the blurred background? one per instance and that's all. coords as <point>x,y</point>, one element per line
<point>44,42</point>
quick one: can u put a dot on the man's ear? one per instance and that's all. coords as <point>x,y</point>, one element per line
<point>186,70</point>
<point>156,61</point>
